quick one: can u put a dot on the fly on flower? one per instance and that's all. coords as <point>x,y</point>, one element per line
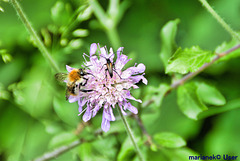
<point>113,91</point>
<point>75,80</point>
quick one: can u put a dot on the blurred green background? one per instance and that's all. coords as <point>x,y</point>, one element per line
<point>34,116</point>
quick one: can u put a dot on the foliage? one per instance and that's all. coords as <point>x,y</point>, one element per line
<point>199,116</point>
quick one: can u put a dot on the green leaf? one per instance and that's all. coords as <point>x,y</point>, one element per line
<point>231,105</point>
<point>189,102</point>
<point>167,35</point>
<point>62,139</point>
<point>169,140</point>
<point>156,94</point>
<point>66,111</point>
<point>210,95</point>
<point>86,151</point>
<point>180,154</point>
<point>126,150</point>
<point>1,9</point>
<point>102,146</point>
<point>226,46</point>
<point>188,60</point>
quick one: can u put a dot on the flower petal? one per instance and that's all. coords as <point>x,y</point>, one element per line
<point>130,107</point>
<point>133,70</point>
<point>119,51</point>
<point>95,110</point>
<point>87,115</point>
<point>140,68</point>
<point>129,96</point>
<point>69,69</point>
<point>108,114</point>
<point>103,52</point>
<point>72,99</point>
<point>121,61</point>
<point>120,106</point>
<point>105,124</point>
<point>93,49</point>
<point>81,103</point>
<point>137,78</point>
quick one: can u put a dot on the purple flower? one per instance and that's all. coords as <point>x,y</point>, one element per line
<point>108,91</point>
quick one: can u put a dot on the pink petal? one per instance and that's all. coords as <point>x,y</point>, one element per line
<point>123,112</point>
<point>129,96</point>
<point>141,68</point>
<point>103,52</point>
<point>81,103</point>
<point>69,69</point>
<point>108,114</point>
<point>72,99</point>
<point>93,49</point>
<point>87,115</point>
<point>121,61</point>
<point>119,51</point>
<point>130,107</point>
<point>105,124</point>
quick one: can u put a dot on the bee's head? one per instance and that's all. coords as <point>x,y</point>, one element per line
<point>81,72</point>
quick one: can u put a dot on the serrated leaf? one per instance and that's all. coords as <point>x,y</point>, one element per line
<point>226,46</point>
<point>169,140</point>
<point>189,102</point>
<point>210,95</point>
<point>188,60</point>
<point>167,36</point>
<point>62,139</point>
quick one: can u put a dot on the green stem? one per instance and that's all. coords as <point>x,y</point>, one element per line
<point>220,20</point>
<point>100,14</point>
<point>114,38</point>
<point>130,134</point>
<point>33,33</point>
<point>107,22</point>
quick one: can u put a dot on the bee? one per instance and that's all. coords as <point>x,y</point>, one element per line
<point>75,80</point>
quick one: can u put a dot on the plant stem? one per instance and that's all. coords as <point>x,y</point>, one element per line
<point>114,38</point>
<point>33,33</point>
<point>107,22</point>
<point>130,134</point>
<point>220,20</point>
<point>58,151</point>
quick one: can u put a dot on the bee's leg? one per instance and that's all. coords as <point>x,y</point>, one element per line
<point>86,90</point>
<point>83,84</point>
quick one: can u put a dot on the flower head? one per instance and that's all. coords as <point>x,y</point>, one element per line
<point>110,84</point>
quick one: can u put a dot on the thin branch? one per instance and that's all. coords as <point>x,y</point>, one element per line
<point>220,20</point>
<point>130,134</point>
<point>140,124</point>
<point>33,33</point>
<point>203,67</point>
<point>58,151</point>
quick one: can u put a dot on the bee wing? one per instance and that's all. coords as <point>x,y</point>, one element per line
<point>61,77</point>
